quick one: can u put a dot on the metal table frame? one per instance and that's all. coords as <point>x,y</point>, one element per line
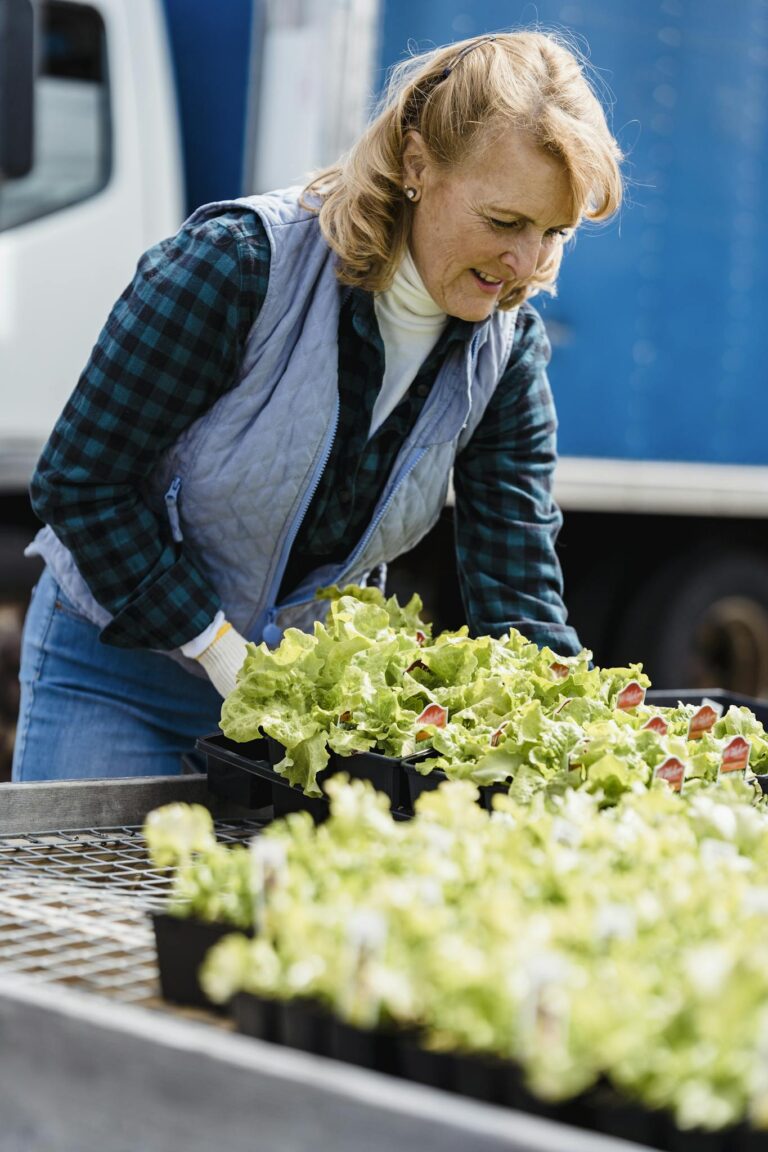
<point>79,1073</point>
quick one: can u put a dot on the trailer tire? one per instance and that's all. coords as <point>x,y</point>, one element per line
<point>702,622</point>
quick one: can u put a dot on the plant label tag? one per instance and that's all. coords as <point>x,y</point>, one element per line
<point>656,724</point>
<point>421,637</point>
<point>704,718</point>
<point>560,671</point>
<point>735,757</point>
<point>418,664</point>
<point>630,696</point>
<point>673,771</point>
<point>433,714</point>
<point>497,735</point>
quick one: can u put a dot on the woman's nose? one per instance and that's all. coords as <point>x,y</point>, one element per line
<point>522,256</point>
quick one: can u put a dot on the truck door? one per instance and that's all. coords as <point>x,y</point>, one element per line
<point>105,183</point>
<point>71,230</point>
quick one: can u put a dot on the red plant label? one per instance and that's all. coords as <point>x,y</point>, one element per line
<point>418,664</point>
<point>673,771</point>
<point>433,714</point>
<point>421,637</point>
<point>735,757</point>
<point>345,717</point>
<point>704,718</point>
<point>497,735</point>
<point>656,724</point>
<point>630,696</point>
<point>561,671</point>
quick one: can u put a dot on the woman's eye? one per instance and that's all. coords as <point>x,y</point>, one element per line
<point>517,225</point>
<point>507,225</point>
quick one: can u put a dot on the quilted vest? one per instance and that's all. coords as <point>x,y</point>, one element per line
<point>238,481</point>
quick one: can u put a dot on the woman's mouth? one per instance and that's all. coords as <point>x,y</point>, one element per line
<point>485,282</point>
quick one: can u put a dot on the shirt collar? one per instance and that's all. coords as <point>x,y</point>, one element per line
<point>364,322</point>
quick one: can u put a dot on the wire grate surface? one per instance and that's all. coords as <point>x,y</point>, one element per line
<point>73,908</point>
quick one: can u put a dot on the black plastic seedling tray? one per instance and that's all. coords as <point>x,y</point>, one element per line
<point>299,1023</point>
<point>304,1024</point>
<point>488,791</point>
<point>253,763</point>
<point>425,1066</point>
<point>419,783</point>
<point>244,773</point>
<point>309,1026</point>
<point>227,779</point>
<point>181,948</point>
<point>669,697</point>
<point>257,1016</point>
<point>286,799</point>
<point>616,1117</point>
<point>482,1078</point>
<point>416,782</point>
<point>366,1048</point>
<point>384,772</point>
<point>239,772</point>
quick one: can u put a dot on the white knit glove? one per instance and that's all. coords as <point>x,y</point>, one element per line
<point>223,658</point>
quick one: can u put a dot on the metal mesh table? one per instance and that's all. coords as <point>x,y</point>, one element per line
<point>82,1072</point>
<point>74,904</point>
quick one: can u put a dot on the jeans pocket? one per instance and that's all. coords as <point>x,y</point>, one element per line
<point>65,606</point>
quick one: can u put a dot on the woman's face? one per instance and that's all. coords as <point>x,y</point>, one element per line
<point>480,230</point>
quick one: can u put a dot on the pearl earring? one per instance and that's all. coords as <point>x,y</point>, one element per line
<point>411,193</point>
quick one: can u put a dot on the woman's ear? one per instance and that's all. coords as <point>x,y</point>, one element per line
<point>414,158</point>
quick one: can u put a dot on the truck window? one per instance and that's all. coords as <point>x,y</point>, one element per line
<point>72,122</point>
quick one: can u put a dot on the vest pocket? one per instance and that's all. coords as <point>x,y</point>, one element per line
<point>172,509</point>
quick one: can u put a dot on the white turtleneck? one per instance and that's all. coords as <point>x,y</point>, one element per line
<point>410,323</point>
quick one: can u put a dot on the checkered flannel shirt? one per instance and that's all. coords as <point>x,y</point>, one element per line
<point>173,345</point>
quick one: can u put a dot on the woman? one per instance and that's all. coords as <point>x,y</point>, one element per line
<point>278,398</point>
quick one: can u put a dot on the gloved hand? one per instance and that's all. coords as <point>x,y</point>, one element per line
<point>223,658</point>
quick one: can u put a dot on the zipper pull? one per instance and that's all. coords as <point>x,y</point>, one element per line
<point>273,633</point>
<point>172,508</point>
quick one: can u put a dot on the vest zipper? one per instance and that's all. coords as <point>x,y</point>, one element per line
<point>470,376</point>
<point>271,633</point>
<point>404,476</point>
<point>172,509</point>
<point>380,514</point>
<point>276,632</point>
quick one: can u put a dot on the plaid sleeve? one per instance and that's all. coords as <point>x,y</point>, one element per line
<point>506,519</point>
<point>170,348</point>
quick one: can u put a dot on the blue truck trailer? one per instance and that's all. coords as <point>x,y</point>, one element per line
<point>659,335</point>
<point>144,109</point>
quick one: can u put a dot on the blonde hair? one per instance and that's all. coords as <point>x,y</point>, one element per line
<point>460,98</point>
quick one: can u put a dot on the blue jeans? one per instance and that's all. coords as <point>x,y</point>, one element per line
<point>91,710</point>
